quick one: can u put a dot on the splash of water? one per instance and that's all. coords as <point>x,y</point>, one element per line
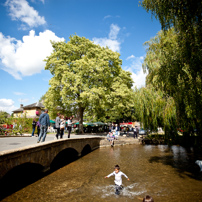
<point>130,191</point>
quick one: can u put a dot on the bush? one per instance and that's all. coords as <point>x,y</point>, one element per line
<point>22,125</point>
<point>3,131</point>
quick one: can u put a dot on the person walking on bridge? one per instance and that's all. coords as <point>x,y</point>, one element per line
<point>57,125</point>
<point>45,123</point>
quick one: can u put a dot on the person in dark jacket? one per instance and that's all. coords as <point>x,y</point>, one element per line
<point>38,128</point>
<point>33,127</point>
<point>45,123</point>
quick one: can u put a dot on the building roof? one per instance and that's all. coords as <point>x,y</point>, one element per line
<point>18,110</point>
<point>35,105</point>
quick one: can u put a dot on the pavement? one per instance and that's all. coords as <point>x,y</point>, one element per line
<point>9,143</point>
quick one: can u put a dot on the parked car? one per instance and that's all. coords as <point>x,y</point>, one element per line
<point>142,132</point>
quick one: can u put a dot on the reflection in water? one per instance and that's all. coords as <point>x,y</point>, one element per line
<point>163,172</point>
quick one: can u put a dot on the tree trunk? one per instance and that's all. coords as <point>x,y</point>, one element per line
<point>80,114</point>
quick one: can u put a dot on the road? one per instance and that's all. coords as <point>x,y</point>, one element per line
<point>9,143</point>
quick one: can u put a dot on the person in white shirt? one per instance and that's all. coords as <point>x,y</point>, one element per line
<point>69,126</point>
<point>118,178</point>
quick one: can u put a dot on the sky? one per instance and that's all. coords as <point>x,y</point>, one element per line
<point>27,26</point>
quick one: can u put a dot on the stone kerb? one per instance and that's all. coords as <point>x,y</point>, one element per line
<point>43,153</point>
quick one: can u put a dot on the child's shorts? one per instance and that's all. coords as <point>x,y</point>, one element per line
<point>118,189</point>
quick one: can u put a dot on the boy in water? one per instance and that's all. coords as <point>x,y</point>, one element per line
<point>118,178</point>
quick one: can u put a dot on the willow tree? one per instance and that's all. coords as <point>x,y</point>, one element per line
<point>86,77</point>
<point>154,109</point>
<point>181,66</point>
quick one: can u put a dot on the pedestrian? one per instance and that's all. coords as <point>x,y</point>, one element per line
<point>135,132</point>
<point>62,126</point>
<point>110,128</point>
<point>38,128</point>
<point>127,129</point>
<point>44,124</point>
<point>69,125</point>
<point>118,178</point>
<point>117,129</point>
<point>57,125</point>
<point>33,126</point>
<point>148,198</point>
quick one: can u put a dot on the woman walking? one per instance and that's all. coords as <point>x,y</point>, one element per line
<point>57,125</point>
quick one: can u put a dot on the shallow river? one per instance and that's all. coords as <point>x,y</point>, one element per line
<point>160,171</point>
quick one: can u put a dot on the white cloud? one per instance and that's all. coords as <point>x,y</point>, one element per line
<point>107,16</point>
<point>18,93</point>
<point>138,76</point>
<point>130,57</point>
<point>7,105</point>
<point>111,41</point>
<point>112,44</point>
<point>114,30</point>
<point>110,16</point>
<point>20,10</point>
<point>23,100</point>
<point>43,1</point>
<point>25,58</point>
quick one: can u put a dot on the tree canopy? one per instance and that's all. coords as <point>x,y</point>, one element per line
<point>87,77</point>
<point>174,57</point>
<point>153,109</point>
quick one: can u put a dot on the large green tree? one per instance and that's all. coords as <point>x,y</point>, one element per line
<point>177,54</point>
<point>87,77</point>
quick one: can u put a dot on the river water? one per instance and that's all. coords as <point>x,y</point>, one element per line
<point>165,173</point>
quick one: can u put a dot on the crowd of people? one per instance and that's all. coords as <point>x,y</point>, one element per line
<point>61,123</point>
<point>43,124</point>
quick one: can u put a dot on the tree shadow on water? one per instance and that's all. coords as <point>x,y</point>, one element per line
<point>183,166</point>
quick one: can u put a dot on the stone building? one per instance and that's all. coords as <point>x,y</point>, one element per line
<point>32,111</point>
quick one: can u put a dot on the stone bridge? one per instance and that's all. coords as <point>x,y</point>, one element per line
<point>46,154</point>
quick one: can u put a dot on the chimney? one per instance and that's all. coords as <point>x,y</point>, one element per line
<point>21,105</point>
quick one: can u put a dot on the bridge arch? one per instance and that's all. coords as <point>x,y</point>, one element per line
<point>63,158</point>
<point>19,177</point>
<point>87,149</point>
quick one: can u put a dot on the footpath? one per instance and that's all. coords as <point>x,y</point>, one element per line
<point>16,142</point>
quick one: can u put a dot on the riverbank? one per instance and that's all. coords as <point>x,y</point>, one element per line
<point>120,142</point>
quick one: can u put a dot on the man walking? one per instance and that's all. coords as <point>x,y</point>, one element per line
<point>44,122</point>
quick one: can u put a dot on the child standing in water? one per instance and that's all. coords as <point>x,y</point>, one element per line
<point>111,138</point>
<point>118,178</point>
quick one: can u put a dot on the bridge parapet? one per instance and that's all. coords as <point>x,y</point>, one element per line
<point>44,153</point>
